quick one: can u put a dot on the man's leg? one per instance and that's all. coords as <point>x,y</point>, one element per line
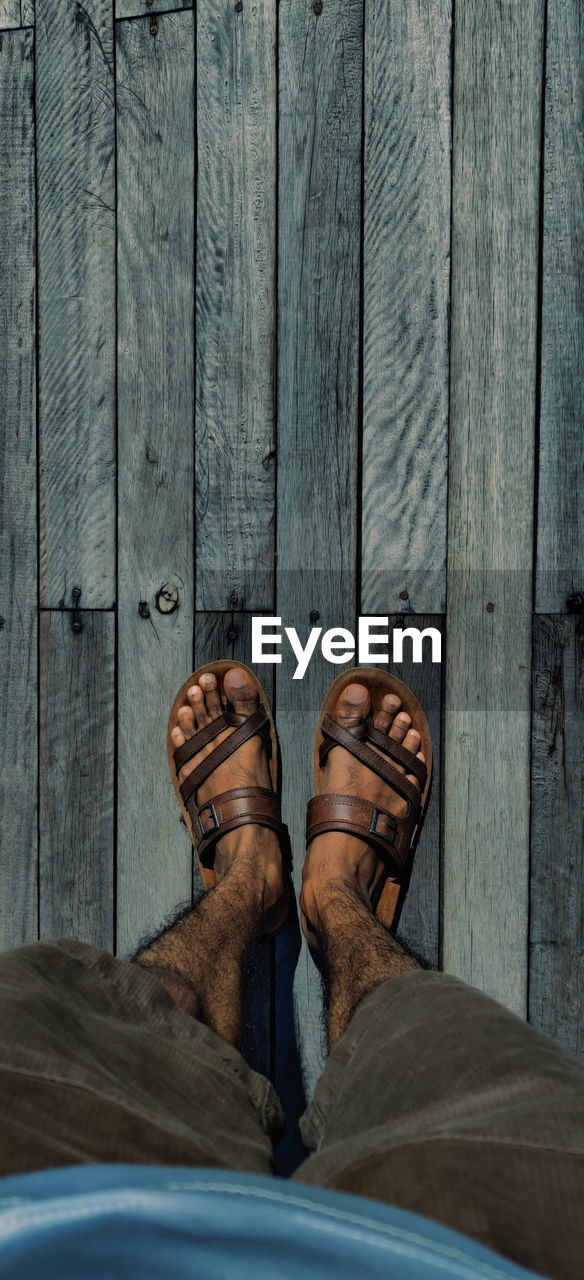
<point>106,1061</point>
<point>435,1098</point>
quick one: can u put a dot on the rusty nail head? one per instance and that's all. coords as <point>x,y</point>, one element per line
<point>404,595</point>
<point>314,615</point>
<point>154,29</point>
<point>575,602</point>
<point>233,599</point>
<point>490,607</point>
<point>76,594</point>
<point>232,634</point>
<point>143,609</point>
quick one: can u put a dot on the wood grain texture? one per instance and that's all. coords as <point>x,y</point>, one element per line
<point>560,529</point>
<point>27,13</point>
<point>228,635</point>
<point>18,543</point>
<point>236,236</point>
<point>9,13</point>
<point>556,959</point>
<point>497,81</point>
<point>155,412</point>
<point>141,8</point>
<point>76,764</point>
<point>406,295</point>
<point>320,77</point>
<point>76,222</point>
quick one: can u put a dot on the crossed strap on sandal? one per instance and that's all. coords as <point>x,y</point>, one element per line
<point>236,808</point>
<point>390,836</point>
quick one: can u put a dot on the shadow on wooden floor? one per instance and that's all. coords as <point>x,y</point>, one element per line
<point>269,1042</point>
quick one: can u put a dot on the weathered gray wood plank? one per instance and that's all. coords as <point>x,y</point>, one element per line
<point>27,14</point>
<point>497,80</point>
<point>9,13</point>
<point>75,164</point>
<point>560,543</point>
<point>155,76</point>
<point>406,295</point>
<point>556,972</point>
<point>139,8</point>
<point>77,736</point>
<point>320,78</point>
<point>18,540</point>
<point>236,233</point>
<point>228,635</point>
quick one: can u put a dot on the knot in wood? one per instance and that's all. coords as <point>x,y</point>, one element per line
<point>167,598</point>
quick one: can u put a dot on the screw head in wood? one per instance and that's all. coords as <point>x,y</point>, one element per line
<point>143,609</point>
<point>234,598</point>
<point>238,7</point>
<point>232,634</point>
<point>154,29</point>
<point>317,8</point>
<point>314,615</point>
<point>77,625</point>
<point>149,3</point>
<point>490,607</point>
<point>404,595</point>
<point>575,602</point>
<point>2,623</point>
<point>167,598</point>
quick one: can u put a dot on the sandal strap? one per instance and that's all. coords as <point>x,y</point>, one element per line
<point>389,836</point>
<point>201,739</point>
<point>336,735</point>
<point>239,807</point>
<point>399,753</point>
<point>257,723</point>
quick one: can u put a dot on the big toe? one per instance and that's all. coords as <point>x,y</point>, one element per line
<point>241,691</point>
<point>353,705</point>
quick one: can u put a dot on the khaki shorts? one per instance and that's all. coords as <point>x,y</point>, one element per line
<point>436,1099</point>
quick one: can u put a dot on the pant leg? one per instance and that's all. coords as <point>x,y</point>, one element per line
<point>441,1101</point>
<point>98,1064</point>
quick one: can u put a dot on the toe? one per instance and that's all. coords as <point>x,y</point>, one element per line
<point>210,689</point>
<point>387,711</point>
<point>241,691</point>
<point>400,726</point>
<point>412,741</point>
<point>198,705</point>
<point>186,722</point>
<point>177,736</point>
<point>353,705</point>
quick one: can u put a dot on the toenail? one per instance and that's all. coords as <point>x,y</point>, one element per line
<point>208,679</point>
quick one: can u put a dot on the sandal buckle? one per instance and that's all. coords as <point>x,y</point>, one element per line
<point>382,813</point>
<point>211,810</point>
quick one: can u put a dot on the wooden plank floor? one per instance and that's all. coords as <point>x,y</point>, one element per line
<point>292,323</point>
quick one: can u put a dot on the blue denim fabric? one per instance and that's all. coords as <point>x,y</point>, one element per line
<point>116,1222</point>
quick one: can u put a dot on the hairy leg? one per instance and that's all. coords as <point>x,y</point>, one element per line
<point>354,951</point>
<point>201,958</point>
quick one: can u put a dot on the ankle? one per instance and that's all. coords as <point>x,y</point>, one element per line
<point>253,857</point>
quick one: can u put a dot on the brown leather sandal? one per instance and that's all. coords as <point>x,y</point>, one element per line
<point>393,839</point>
<point>241,806</point>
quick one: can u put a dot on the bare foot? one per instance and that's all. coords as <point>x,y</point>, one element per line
<point>336,858</point>
<point>254,846</point>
